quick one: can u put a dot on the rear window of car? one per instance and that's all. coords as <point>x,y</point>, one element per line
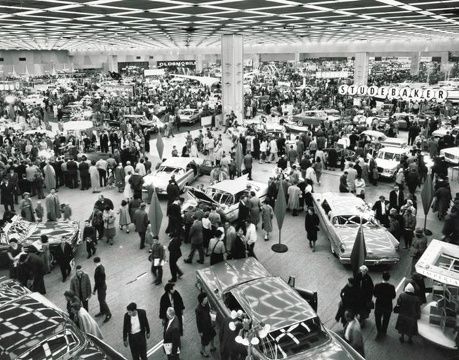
<point>294,340</point>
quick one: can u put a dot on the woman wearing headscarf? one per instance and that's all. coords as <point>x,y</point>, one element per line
<point>365,283</point>
<point>409,311</point>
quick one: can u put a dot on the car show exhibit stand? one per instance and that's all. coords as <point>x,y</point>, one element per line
<point>232,75</point>
<point>439,321</point>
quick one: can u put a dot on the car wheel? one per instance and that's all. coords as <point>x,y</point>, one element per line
<point>300,122</point>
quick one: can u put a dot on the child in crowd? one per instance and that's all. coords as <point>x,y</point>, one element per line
<point>66,211</point>
<point>39,211</point>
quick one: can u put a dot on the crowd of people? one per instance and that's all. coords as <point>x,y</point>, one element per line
<point>38,165</point>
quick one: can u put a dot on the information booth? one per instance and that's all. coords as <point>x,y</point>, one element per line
<point>439,320</point>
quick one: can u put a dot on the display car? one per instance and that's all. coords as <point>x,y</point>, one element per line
<point>403,120</point>
<point>189,116</point>
<point>388,160</point>
<point>451,155</point>
<point>294,331</point>
<point>32,100</point>
<point>224,194</point>
<point>185,170</point>
<point>313,117</point>
<point>439,133</point>
<point>154,124</point>
<point>27,233</point>
<point>32,327</point>
<point>341,215</point>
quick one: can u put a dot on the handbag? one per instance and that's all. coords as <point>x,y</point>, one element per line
<point>396,309</point>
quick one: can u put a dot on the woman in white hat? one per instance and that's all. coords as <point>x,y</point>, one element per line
<point>409,311</point>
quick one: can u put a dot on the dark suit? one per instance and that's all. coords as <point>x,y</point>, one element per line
<point>90,237</point>
<point>64,254</point>
<point>377,208</point>
<point>384,294</point>
<point>137,341</point>
<point>172,335</point>
<point>7,195</point>
<point>165,303</point>
<point>175,253</point>
<point>84,175</point>
<point>104,143</point>
<point>396,201</point>
<point>72,175</point>
<point>101,287</point>
<point>136,182</point>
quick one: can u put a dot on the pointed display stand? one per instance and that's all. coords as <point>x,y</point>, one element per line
<point>279,248</point>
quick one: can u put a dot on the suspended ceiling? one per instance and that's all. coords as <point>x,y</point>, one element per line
<point>140,24</point>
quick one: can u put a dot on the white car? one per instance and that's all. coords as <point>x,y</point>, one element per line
<point>185,170</point>
<point>388,159</point>
<point>33,99</point>
<point>189,116</point>
<point>451,155</point>
<point>224,194</point>
<point>439,133</point>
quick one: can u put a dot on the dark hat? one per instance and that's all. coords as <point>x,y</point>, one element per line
<point>419,232</point>
<point>13,240</point>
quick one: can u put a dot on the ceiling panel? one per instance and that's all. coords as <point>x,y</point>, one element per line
<point>198,23</point>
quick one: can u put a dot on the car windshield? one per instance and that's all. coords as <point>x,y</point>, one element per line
<point>222,197</point>
<point>171,170</point>
<point>389,156</point>
<point>293,340</point>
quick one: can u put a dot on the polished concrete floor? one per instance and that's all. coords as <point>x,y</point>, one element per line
<point>129,278</point>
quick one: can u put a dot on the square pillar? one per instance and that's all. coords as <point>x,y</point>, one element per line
<point>232,75</point>
<point>361,69</point>
<point>444,65</point>
<point>415,59</point>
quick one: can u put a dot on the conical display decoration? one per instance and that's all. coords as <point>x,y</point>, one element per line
<point>427,194</point>
<point>155,214</point>
<point>160,145</point>
<point>359,251</point>
<point>280,207</point>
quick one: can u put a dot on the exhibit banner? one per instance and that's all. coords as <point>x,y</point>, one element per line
<point>393,92</point>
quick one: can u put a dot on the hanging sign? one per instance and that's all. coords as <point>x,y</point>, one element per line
<point>404,93</point>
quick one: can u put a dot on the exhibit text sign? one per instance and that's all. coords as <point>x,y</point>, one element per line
<point>392,92</point>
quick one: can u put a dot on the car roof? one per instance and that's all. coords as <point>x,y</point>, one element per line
<point>395,150</point>
<point>229,274</point>
<point>26,322</point>
<point>452,150</point>
<point>181,162</point>
<point>273,302</point>
<point>237,185</point>
<point>343,203</point>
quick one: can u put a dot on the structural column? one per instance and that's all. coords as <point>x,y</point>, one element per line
<point>112,63</point>
<point>361,69</point>
<point>415,59</point>
<point>444,65</point>
<point>232,75</point>
<point>198,59</point>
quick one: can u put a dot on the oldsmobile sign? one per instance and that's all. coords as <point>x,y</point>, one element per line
<point>176,63</point>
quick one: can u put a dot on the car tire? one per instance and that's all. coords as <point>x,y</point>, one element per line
<point>300,122</point>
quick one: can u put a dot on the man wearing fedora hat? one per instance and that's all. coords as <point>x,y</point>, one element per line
<point>418,247</point>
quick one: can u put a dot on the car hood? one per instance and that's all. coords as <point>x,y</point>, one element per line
<point>158,180</point>
<point>55,230</point>
<point>387,164</point>
<point>379,242</point>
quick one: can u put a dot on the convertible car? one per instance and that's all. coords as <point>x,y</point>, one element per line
<point>32,327</point>
<point>294,331</point>
<point>28,233</point>
<point>224,194</point>
<point>341,215</point>
<point>185,169</point>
